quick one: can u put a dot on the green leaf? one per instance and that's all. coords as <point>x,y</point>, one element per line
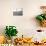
<point>40,18</point>
<point>45,16</point>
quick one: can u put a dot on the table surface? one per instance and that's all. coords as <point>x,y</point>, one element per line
<point>30,45</point>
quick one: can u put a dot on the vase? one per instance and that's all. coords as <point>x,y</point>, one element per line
<point>9,41</point>
<point>13,38</point>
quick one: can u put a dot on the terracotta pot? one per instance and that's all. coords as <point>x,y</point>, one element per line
<point>43,23</point>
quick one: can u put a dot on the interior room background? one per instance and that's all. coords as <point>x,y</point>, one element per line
<point>26,24</point>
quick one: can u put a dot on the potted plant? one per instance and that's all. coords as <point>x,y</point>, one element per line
<point>42,17</point>
<point>10,31</point>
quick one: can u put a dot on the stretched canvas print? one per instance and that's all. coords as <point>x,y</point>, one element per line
<point>18,12</point>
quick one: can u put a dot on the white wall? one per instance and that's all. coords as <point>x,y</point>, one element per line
<point>25,24</point>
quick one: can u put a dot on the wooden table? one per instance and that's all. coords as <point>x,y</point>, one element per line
<point>25,44</point>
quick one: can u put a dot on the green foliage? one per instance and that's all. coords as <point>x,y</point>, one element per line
<point>41,17</point>
<point>45,16</point>
<point>11,31</point>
